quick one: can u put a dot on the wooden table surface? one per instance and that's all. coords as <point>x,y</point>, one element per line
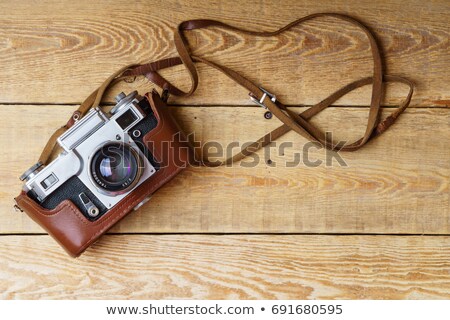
<point>378,228</point>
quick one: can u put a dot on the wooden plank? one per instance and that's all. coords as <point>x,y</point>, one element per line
<point>61,52</point>
<point>228,267</point>
<point>398,183</point>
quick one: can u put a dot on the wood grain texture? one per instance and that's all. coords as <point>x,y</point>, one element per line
<point>59,51</point>
<point>399,183</point>
<point>228,267</point>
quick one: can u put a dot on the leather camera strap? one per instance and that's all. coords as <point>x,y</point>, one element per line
<point>291,120</point>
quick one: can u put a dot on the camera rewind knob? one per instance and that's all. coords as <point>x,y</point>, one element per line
<point>123,100</point>
<point>31,172</point>
<point>120,96</point>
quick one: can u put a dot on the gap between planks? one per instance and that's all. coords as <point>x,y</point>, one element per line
<point>330,234</point>
<point>76,104</point>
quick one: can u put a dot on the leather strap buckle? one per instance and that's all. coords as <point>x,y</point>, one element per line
<point>260,102</point>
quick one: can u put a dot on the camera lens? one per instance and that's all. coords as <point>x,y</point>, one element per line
<point>115,167</point>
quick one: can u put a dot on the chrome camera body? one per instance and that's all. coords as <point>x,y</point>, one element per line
<point>103,159</point>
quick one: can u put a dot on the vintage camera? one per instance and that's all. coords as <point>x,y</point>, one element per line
<point>103,159</point>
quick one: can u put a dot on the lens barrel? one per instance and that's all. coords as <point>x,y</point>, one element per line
<point>115,168</point>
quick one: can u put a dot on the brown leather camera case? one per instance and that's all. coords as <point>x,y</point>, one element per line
<point>72,230</point>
